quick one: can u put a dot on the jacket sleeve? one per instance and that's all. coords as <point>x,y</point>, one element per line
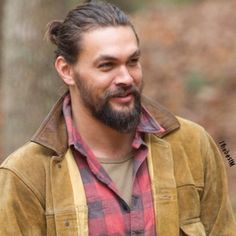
<point>20,210</point>
<point>216,211</point>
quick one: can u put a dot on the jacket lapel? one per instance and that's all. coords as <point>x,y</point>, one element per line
<point>161,170</point>
<point>68,207</point>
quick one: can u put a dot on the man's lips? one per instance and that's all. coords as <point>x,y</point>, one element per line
<point>126,98</point>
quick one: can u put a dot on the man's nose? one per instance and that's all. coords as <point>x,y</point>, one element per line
<point>124,77</point>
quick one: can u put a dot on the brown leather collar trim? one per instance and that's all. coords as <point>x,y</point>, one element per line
<point>52,133</point>
<point>164,117</point>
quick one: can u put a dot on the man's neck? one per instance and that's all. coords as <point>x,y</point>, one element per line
<point>104,141</point>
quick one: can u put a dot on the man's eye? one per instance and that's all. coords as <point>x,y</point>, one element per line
<point>106,66</point>
<point>133,62</point>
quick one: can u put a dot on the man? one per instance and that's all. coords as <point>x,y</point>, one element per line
<point>105,163</point>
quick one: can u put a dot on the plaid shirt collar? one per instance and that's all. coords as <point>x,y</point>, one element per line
<point>147,124</point>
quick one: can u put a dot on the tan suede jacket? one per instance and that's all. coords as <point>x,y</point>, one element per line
<point>41,192</point>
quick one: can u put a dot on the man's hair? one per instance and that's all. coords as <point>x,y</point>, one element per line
<point>90,15</point>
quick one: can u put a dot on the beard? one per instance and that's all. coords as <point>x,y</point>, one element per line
<point>125,120</point>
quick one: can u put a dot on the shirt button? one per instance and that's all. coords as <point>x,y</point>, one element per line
<point>135,200</point>
<point>125,207</point>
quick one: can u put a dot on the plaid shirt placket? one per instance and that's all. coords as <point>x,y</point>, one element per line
<point>109,214</point>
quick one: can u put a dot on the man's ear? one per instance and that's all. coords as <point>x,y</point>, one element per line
<point>65,71</point>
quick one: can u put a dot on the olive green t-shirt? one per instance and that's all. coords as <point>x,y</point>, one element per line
<point>121,173</point>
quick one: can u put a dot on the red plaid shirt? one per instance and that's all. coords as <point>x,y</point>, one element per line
<point>108,213</point>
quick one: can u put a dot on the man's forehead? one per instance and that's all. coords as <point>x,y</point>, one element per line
<point>110,41</point>
<point>116,56</point>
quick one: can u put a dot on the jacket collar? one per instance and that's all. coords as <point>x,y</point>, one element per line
<point>52,133</point>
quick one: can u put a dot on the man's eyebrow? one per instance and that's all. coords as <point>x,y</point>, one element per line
<point>137,53</point>
<point>104,57</point>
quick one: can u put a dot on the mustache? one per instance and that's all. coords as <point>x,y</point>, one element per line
<point>122,92</point>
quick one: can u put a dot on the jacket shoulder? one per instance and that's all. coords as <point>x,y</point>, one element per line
<point>29,155</point>
<point>29,164</point>
<point>188,126</point>
<point>190,135</point>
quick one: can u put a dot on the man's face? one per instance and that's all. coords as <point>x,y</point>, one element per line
<point>108,76</point>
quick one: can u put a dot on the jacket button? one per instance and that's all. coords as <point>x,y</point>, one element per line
<point>67,223</point>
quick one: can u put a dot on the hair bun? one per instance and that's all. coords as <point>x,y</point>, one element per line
<point>52,31</point>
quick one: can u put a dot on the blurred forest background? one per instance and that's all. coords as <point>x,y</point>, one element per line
<point>188,56</point>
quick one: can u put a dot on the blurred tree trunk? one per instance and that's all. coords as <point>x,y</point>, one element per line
<point>30,84</point>
<point>1,33</point>
<point>1,124</point>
